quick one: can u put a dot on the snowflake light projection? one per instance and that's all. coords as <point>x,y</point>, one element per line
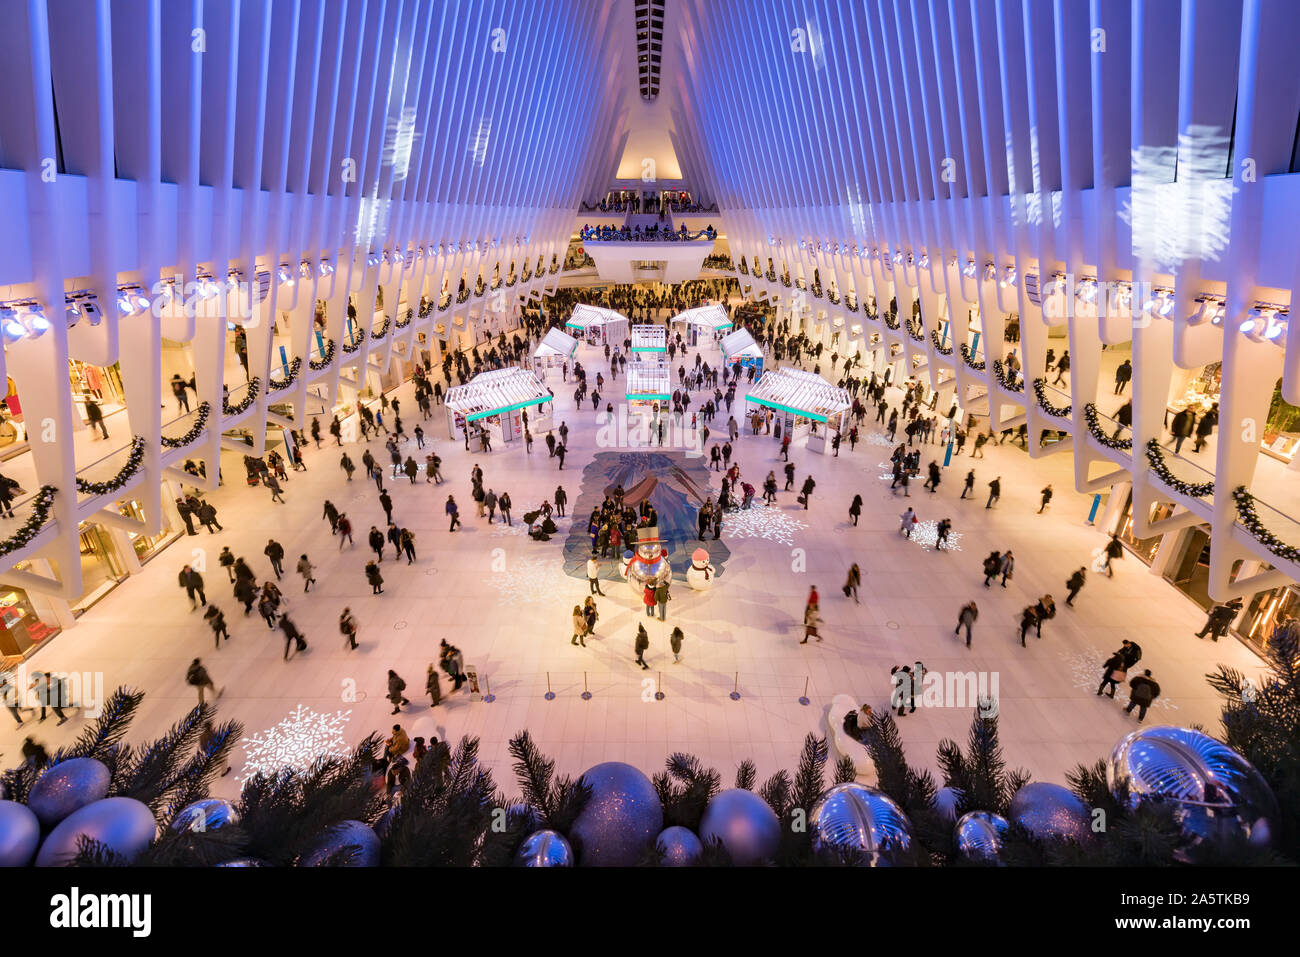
<point>526,581</point>
<point>762,521</point>
<point>1085,674</point>
<point>1180,203</point>
<point>877,438</point>
<point>296,742</point>
<point>926,534</point>
<point>516,529</point>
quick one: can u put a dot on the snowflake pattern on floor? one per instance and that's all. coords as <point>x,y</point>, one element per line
<point>527,581</point>
<point>515,529</point>
<point>1085,674</point>
<point>877,438</point>
<point>762,521</point>
<point>296,742</point>
<point>926,534</point>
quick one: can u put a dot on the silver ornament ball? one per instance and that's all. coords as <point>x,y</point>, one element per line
<point>545,848</point>
<point>978,835</point>
<point>855,817</point>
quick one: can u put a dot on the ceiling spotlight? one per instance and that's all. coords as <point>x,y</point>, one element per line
<point>924,261</point>
<point>1166,306</point>
<point>36,320</point>
<point>898,258</point>
<point>1087,291</point>
<point>124,303</point>
<point>12,329</point>
<point>1008,277</point>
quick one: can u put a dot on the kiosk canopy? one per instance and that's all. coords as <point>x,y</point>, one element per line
<point>803,393</point>
<point>491,393</point>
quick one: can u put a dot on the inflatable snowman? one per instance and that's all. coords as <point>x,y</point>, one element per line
<point>649,565</point>
<point>700,575</point>
<point>625,563</point>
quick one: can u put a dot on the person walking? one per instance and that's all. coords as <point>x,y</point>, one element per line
<point>197,677</point>
<point>642,643</point>
<point>386,503</point>
<point>227,561</point>
<point>806,491</point>
<point>503,505</point>
<point>208,517</point>
<point>332,514</point>
<point>593,575</point>
<point>1008,566</point>
<point>307,571</point>
<point>1075,584</point>
<point>648,599</point>
<point>942,531</point>
<point>217,622</point>
<point>852,583</point>
<point>965,618</point>
<point>192,582</point>
<point>406,539</point>
<point>348,628</point>
<point>454,512</point>
<point>1043,611</point>
<point>590,614</point>
<point>1047,498</point>
<point>811,620</point>
<point>906,521</point>
<point>95,417</point>
<point>395,688</point>
<point>561,499</point>
<point>490,503</point>
<point>1143,692</point>
<point>1114,550</point>
<point>855,508</point>
<point>1114,670</point>
<point>995,491</point>
<point>1219,618</point>
<point>376,541</point>
<point>375,579</point>
<point>1027,620</point>
<point>969,485</point>
<point>433,686</point>
<point>347,465</point>
<point>275,552</point>
<point>992,566</point>
<point>49,692</point>
<point>1122,376</point>
<point>675,643</point>
<point>579,627</point>
<point>344,530</point>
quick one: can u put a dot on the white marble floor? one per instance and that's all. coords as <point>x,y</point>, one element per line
<point>504,600</point>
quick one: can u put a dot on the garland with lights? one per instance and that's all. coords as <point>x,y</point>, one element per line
<point>913,334</point>
<point>480,286</point>
<point>1040,393</point>
<point>134,460</point>
<point>444,302</point>
<point>403,323</point>
<point>462,295</point>
<point>1094,426</point>
<point>817,290</point>
<point>1004,380</point>
<point>555,266</point>
<point>891,320</point>
<point>834,297</point>
<point>350,348</point>
<point>1156,458</point>
<point>510,281</point>
<point>938,346</point>
<point>1249,520</point>
<point>325,359</point>
<point>525,274</point>
<point>969,358</point>
<point>851,302</point>
<point>800,282</point>
<point>785,281</point>
<point>771,274</point>
<point>294,368</point>
<point>496,283</point>
<point>246,403</point>
<point>744,270</point>
<point>200,423</point>
<point>41,506</point>
<point>383,330</point>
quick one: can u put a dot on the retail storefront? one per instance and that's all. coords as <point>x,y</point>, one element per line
<point>647,386</point>
<point>703,323</point>
<point>741,347</point>
<point>22,629</point>
<point>649,343</point>
<point>807,404</point>
<point>555,349</point>
<point>597,326</point>
<point>495,403</point>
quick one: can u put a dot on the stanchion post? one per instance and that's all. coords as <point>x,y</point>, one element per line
<point>550,695</point>
<point>659,695</point>
<point>803,699</point>
<point>586,693</point>
<point>488,697</point>
<point>735,689</point>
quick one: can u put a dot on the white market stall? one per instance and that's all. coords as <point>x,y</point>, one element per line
<point>703,322</point>
<point>555,349</point>
<point>647,383</point>
<point>741,347</point>
<point>598,326</point>
<point>805,404</point>
<point>495,403</point>
<point>649,342</point>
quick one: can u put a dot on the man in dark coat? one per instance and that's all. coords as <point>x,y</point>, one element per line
<point>1143,692</point>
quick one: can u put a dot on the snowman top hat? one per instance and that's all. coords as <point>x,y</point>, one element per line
<point>648,535</point>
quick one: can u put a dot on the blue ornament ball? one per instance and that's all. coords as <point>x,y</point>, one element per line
<point>20,834</point>
<point>345,834</point>
<point>946,801</point>
<point>679,847</point>
<point>623,817</point>
<point>1216,791</point>
<point>385,823</point>
<point>207,814</point>
<point>978,835</point>
<point>744,824</point>
<point>126,826</point>
<point>1050,811</point>
<point>544,848</point>
<point>863,819</point>
<point>67,786</point>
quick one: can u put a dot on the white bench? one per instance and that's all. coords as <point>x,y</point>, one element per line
<point>840,745</point>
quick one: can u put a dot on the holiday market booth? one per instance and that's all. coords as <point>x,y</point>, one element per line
<point>647,383</point>
<point>703,322</point>
<point>494,404</point>
<point>555,349</point>
<point>649,342</point>
<point>805,404</point>
<point>597,326</point>
<point>741,347</point>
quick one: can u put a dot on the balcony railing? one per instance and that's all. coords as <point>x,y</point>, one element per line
<point>112,472</point>
<point>31,513</point>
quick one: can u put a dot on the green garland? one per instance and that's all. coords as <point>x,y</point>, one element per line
<point>744,270</point>
<point>969,358</point>
<point>200,423</point>
<point>41,506</point>
<point>915,336</point>
<point>1040,393</point>
<point>891,320</point>
<point>1000,374</point>
<point>323,362</point>
<point>134,460</point>
<point>1250,521</point>
<point>294,368</point>
<point>1094,426</point>
<point>938,346</point>
<point>376,335</point>
<point>246,403</point>
<point>1156,457</point>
